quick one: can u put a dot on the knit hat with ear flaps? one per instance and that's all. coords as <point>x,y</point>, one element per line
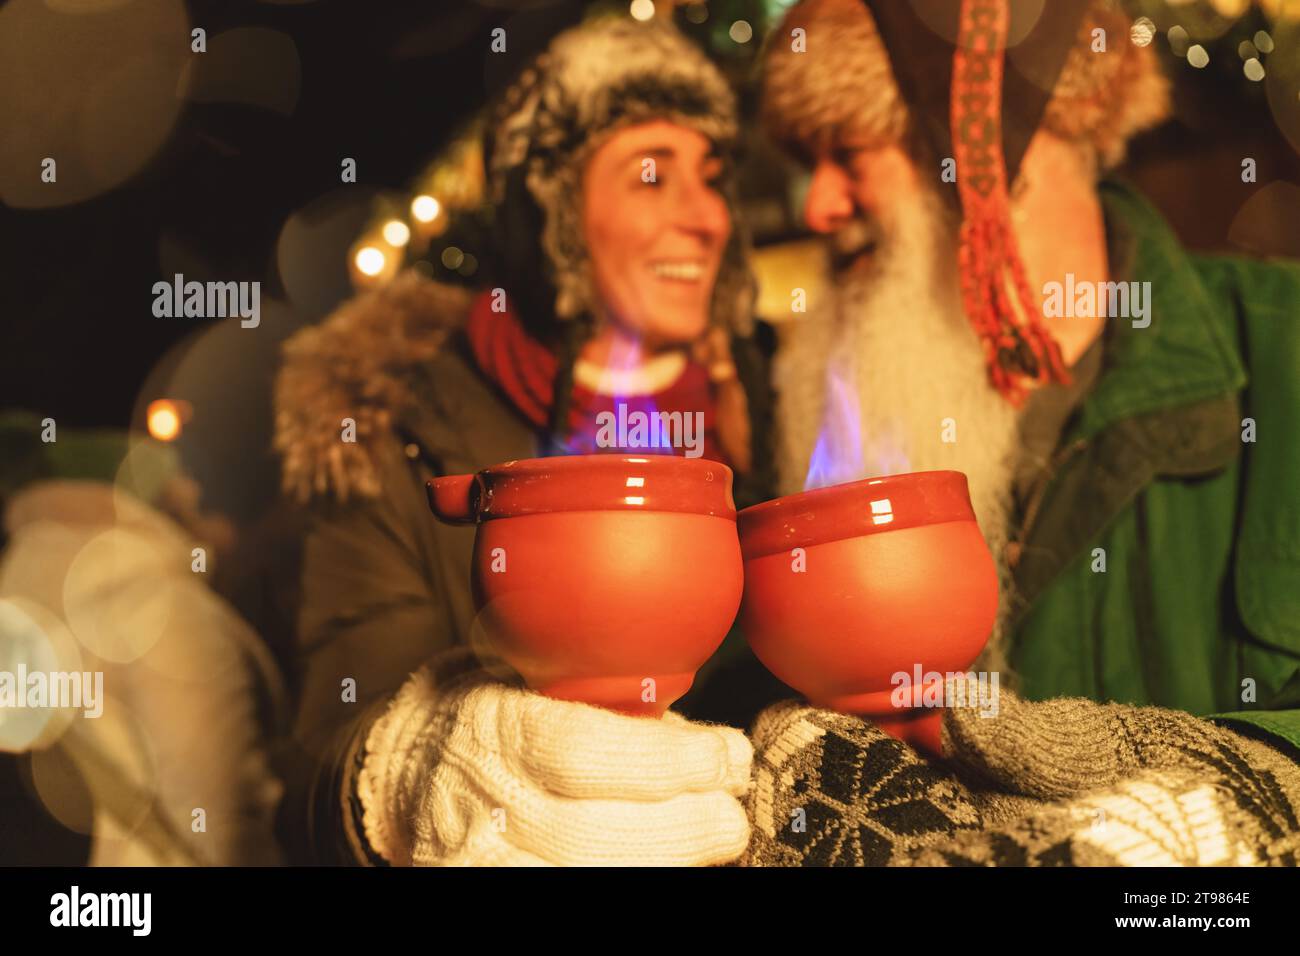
<point>591,81</point>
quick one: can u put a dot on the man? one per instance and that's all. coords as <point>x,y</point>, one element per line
<point>1134,473</point>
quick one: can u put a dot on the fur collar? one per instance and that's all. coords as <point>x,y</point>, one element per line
<point>357,365</point>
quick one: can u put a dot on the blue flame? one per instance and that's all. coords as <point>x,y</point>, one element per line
<point>840,453</point>
<point>837,456</point>
<point>625,356</point>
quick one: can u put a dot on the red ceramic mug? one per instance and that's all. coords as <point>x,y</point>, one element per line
<point>850,586</point>
<point>606,579</point>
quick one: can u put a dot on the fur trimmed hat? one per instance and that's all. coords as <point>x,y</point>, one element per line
<point>845,81</point>
<point>593,80</point>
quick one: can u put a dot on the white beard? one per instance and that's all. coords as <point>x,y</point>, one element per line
<point>872,380</point>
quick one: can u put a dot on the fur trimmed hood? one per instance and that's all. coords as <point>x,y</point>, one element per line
<point>357,365</point>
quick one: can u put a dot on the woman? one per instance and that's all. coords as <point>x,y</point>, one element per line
<point>623,272</point>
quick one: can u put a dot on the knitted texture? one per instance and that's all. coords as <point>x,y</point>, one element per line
<point>995,291</point>
<point>359,365</point>
<point>474,771</point>
<point>1059,783</point>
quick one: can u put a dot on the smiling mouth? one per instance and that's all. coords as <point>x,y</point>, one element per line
<point>678,270</point>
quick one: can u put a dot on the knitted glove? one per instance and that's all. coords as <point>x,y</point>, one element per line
<point>1130,786</point>
<point>466,770</point>
<point>834,790</point>
<point>1064,782</point>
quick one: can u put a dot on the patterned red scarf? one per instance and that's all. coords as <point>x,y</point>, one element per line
<point>524,369</point>
<point>988,258</point>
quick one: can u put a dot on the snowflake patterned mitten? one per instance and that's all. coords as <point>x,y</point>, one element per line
<point>1062,782</point>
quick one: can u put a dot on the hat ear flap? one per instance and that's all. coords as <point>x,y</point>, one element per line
<point>520,223</point>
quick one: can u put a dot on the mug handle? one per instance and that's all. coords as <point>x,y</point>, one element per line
<point>452,498</point>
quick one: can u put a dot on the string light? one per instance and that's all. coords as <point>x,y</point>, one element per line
<point>163,420</point>
<point>396,233</point>
<point>642,9</point>
<point>425,208</point>
<point>370,261</point>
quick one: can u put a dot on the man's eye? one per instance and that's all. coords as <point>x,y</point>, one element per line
<point>648,174</point>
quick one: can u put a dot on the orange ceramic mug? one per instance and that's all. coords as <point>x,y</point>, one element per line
<point>849,587</point>
<point>607,579</point>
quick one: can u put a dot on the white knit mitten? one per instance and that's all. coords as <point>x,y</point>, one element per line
<point>473,771</point>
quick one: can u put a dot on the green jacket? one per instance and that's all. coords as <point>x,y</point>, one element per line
<point>1196,519</point>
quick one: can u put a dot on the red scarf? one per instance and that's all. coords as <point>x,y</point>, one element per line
<point>989,260</point>
<point>524,369</point>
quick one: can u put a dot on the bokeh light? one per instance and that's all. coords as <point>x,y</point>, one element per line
<point>1282,82</point>
<point>741,31</point>
<point>370,260</point>
<point>163,420</point>
<point>253,66</point>
<point>1178,40</point>
<point>1024,16</point>
<point>1267,224</point>
<point>32,636</point>
<point>315,251</point>
<point>452,257</point>
<point>118,592</point>
<point>396,233</point>
<point>425,208</point>
<point>1142,32</point>
<point>110,757</point>
<point>96,92</point>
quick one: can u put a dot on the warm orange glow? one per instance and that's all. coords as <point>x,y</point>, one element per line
<point>425,208</point>
<point>396,233</point>
<point>370,261</point>
<point>164,420</point>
